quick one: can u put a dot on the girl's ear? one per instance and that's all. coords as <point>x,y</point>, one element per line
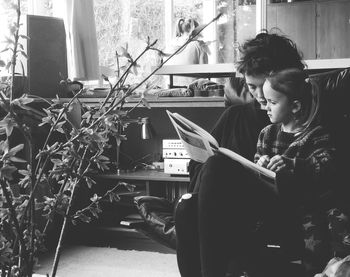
<point>296,106</point>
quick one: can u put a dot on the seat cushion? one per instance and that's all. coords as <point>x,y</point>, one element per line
<point>339,228</point>
<point>158,214</point>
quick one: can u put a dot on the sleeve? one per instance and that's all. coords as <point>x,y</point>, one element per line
<point>203,52</point>
<point>203,57</point>
<point>259,148</point>
<point>220,126</point>
<point>217,132</point>
<point>319,165</point>
<point>194,169</point>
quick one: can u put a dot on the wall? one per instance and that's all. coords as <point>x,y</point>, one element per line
<point>320,28</point>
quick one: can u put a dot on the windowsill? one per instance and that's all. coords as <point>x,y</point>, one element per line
<point>228,69</point>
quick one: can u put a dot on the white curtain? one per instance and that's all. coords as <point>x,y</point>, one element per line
<point>82,53</point>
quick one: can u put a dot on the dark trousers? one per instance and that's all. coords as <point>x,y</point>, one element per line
<point>219,222</point>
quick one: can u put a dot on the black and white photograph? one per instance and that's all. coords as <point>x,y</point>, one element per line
<point>174,138</point>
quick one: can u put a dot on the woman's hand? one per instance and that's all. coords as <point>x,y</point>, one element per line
<point>276,163</point>
<point>263,161</point>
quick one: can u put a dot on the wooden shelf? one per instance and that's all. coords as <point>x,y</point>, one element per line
<point>165,102</point>
<point>199,70</point>
<point>328,63</point>
<point>228,69</point>
<point>145,175</point>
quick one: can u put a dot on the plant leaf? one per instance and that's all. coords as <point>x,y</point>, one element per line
<point>7,171</point>
<point>17,160</point>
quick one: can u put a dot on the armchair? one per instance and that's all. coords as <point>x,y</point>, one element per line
<point>326,234</point>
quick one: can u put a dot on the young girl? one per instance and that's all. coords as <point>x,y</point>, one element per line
<point>294,145</point>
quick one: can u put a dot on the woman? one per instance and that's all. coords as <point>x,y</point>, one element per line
<point>196,52</point>
<point>211,231</point>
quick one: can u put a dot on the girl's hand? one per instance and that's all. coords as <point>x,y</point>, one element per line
<point>263,161</point>
<point>276,163</point>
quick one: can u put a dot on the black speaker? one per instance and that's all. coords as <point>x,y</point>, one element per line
<point>47,54</point>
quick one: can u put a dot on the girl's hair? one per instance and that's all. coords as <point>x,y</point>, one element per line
<point>268,52</point>
<point>296,85</point>
<point>185,25</point>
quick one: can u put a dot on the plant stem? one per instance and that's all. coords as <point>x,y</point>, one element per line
<point>15,221</point>
<point>14,56</point>
<point>123,75</point>
<point>63,228</point>
<point>102,198</point>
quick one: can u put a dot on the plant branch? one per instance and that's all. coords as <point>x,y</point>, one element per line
<point>14,219</point>
<point>100,199</point>
<point>14,56</point>
<point>63,228</point>
<point>123,75</point>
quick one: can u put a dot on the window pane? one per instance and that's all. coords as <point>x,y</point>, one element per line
<point>188,9</point>
<point>7,17</point>
<point>237,25</point>
<point>128,24</point>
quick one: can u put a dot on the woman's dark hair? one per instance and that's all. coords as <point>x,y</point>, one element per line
<point>268,52</point>
<point>296,85</point>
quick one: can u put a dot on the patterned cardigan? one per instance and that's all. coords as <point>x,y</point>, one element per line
<point>311,156</point>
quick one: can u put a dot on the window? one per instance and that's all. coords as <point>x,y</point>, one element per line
<point>132,21</point>
<point>120,22</point>
<point>8,16</point>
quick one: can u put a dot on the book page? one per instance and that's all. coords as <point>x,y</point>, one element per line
<point>195,128</point>
<point>247,163</point>
<point>197,147</point>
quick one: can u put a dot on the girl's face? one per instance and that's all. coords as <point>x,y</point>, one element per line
<point>279,108</point>
<point>255,85</point>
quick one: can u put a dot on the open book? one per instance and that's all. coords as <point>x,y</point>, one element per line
<point>200,145</point>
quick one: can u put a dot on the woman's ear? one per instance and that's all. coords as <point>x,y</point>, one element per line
<point>296,106</point>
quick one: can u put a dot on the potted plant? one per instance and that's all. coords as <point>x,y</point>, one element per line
<point>59,166</point>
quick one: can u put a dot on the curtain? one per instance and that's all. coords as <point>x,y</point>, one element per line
<point>82,52</point>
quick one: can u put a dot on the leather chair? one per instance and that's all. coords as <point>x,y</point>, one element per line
<point>326,234</point>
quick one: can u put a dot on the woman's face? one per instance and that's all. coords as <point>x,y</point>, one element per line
<point>255,85</point>
<point>188,25</point>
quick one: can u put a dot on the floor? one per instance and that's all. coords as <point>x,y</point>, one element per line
<point>111,251</point>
